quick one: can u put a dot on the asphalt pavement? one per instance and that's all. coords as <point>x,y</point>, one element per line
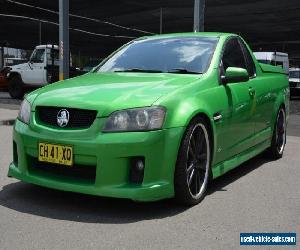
<point>258,196</point>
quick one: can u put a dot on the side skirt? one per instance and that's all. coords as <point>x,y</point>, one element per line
<point>237,160</point>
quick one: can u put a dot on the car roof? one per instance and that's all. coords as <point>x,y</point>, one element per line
<point>189,34</point>
<point>43,46</point>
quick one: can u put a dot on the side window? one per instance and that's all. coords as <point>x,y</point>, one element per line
<point>38,56</point>
<point>233,55</point>
<point>250,64</point>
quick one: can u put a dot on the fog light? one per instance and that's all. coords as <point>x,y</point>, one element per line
<point>136,174</point>
<point>140,165</point>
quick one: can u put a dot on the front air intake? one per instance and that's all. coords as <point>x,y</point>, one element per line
<point>78,118</point>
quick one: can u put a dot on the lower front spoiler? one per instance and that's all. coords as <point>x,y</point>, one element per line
<point>149,192</point>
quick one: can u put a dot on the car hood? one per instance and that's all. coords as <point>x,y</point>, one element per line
<point>108,92</point>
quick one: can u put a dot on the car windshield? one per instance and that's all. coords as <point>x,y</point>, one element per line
<point>173,55</point>
<point>295,74</point>
<point>38,56</point>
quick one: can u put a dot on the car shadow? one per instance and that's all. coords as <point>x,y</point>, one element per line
<point>55,204</point>
<point>31,199</point>
<point>219,184</point>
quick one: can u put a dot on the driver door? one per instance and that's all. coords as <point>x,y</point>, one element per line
<point>237,135</point>
<point>36,74</point>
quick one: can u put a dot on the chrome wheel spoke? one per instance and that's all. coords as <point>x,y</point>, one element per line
<point>190,178</point>
<point>191,167</point>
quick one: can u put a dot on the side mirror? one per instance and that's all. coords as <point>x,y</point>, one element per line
<point>234,74</point>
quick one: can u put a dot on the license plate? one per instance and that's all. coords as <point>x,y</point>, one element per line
<point>58,154</point>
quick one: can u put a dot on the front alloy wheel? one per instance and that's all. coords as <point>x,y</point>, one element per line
<point>193,164</point>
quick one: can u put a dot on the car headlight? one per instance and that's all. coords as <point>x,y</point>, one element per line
<point>139,119</point>
<point>24,112</point>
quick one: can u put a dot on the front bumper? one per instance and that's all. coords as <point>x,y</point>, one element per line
<point>110,153</point>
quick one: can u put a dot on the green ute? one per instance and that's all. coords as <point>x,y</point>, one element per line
<point>159,118</point>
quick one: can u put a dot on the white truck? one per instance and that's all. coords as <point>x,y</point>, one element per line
<point>41,69</point>
<point>294,79</point>
<point>274,58</point>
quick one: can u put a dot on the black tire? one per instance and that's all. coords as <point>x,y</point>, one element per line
<point>279,136</point>
<point>16,87</point>
<point>193,163</point>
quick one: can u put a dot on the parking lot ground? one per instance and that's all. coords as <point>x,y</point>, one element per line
<point>258,196</point>
<point>7,102</point>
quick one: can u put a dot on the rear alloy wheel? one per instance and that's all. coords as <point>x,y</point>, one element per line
<point>193,164</point>
<point>279,135</point>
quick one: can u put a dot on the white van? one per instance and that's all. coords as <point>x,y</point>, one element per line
<point>274,58</point>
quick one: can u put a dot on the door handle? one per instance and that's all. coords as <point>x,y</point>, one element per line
<point>251,92</point>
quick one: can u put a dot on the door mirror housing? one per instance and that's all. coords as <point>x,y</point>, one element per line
<point>234,74</point>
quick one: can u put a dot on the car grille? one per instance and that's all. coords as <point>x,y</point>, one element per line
<point>293,84</point>
<point>78,118</point>
<point>82,173</point>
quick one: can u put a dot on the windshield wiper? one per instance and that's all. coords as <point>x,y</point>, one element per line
<point>139,70</point>
<point>183,71</point>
